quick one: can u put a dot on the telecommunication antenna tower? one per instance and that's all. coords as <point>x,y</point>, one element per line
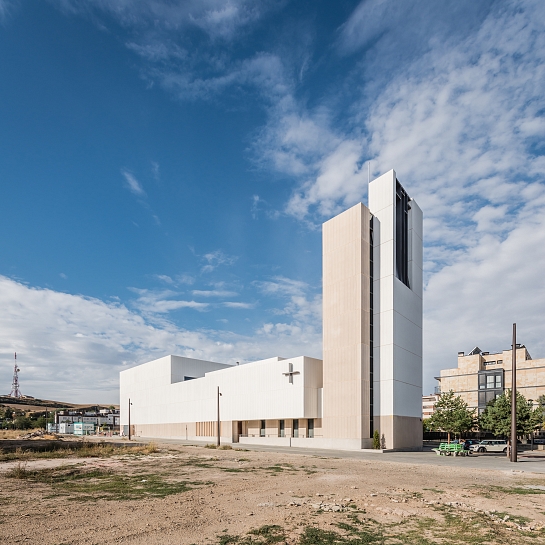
<point>15,392</point>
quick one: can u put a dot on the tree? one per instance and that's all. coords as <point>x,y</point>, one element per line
<point>497,416</point>
<point>451,415</point>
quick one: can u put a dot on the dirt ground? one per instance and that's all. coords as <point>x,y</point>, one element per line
<point>188,494</point>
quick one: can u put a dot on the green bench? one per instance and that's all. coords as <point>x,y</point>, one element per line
<point>451,449</point>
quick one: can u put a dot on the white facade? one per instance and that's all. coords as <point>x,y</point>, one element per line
<point>397,315</point>
<point>371,376</point>
<point>257,390</point>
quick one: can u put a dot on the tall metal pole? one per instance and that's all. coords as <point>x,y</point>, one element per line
<point>514,396</point>
<point>130,418</point>
<point>219,422</point>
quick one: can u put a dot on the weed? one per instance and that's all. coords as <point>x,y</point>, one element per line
<point>514,490</point>
<point>225,447</point>
<point>211,445</point>
<point>88,485</point>
<point>88,450</point>
<point>18,472</point>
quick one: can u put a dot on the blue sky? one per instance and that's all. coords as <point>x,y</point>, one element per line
<point>166,166</point>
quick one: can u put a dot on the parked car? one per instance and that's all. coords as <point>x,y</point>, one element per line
<point>490,445</point>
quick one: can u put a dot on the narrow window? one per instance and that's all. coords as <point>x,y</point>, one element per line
<point>262,429</point>
<point>402,234</point>
<point>498,381</point>
<point>282,428</point>
<point>310,427</point>
<point>296,428</point>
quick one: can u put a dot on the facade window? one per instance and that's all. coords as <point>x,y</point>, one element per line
<point>262,429</point>
<point>490,387</point>
<point>500,362</point>
<point>282,428</point>
<point>402,234</point>
<point>310,427</point>
<point>295,430</point>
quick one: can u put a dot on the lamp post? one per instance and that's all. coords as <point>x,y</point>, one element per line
<point>219,422</point>
<point>514,396</point>
<point>130,418</point>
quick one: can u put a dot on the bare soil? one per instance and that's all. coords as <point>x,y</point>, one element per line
<point>186,495</point>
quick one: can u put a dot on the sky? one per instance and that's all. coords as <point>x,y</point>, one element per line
<point>165,168</point>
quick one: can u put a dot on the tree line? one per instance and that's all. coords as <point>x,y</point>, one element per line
<point>452,415</point>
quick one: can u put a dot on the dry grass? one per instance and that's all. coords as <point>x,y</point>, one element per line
<point>11,434</point>
<point>88,450</point>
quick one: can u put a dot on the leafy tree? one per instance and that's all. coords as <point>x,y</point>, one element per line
<point>22,423</point>
<point>497,416</point>
<point>451,415</point>
<point>8,414</point>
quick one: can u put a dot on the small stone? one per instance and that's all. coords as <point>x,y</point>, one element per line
<point>373,495</point>
<point>355,487</point>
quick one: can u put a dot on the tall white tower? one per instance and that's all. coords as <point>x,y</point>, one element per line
<point>372,321</point>
<point>397,313</point>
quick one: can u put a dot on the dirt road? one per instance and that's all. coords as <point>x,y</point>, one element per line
<point>185,495</point>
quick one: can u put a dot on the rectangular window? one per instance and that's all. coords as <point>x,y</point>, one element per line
<point>498,381</point>
<point>310,427</point>
<point>282,428</point>
<point>490,382</point>
<point>500,362</point>
<point>402,234</point>
<point>262,429</point>
<point>296,428</point>
<point>482,382</point>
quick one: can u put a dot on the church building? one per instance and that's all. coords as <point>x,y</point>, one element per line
<point>370,377</point>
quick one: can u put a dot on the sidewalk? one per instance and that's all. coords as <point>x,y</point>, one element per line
<point>529,462</point>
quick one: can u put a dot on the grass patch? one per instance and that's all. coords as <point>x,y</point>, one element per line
<point>82,484</point>
<point>519,490</point>
<point>88,450</point>
<point>266,535</point>
<point>436,490</point>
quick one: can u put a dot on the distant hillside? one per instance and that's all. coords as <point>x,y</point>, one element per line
<point>34,404</point>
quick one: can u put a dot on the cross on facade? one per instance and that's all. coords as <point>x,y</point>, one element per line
<point>291,372</point>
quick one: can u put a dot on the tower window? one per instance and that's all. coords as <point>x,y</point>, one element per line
<point>402,234</point>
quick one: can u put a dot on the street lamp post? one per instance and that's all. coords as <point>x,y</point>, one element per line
<point>514,396</point>
<point>219,422</point>
<point>130,418</point>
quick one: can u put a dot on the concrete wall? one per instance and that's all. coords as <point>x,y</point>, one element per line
<point>397,317</point>
<point>254,391</point>
<point>346,325</point>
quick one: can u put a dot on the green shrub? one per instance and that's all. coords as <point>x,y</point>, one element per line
<point>376,440</point>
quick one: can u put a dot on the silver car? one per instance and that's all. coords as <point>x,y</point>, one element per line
<point>490,445</point>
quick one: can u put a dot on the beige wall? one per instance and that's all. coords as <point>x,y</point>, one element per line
<point>346,406</point>
<point>464,381</point>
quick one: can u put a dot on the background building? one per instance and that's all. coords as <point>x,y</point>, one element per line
<point>482,376</point>
<point>428,405</point>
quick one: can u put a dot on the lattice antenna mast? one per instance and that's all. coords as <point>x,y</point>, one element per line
<point>15,392</point>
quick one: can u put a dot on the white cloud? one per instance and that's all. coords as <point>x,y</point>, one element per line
<point>215,259</point>
<point>163,301</point>
<point>214,293</point>
<point>235,304</point>
<point>134,186</point>
<point>72,347</point>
